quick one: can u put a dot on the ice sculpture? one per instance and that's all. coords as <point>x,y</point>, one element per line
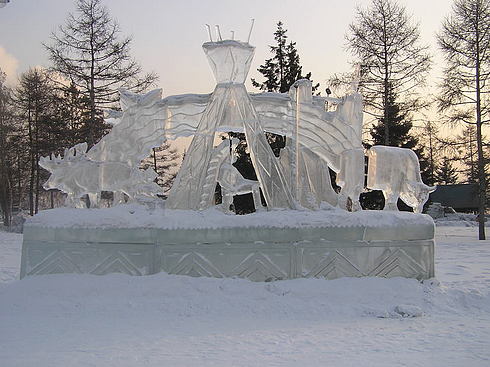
<point>396,171</point>
<point>233,183</point>
<point>317,141</point>
<point>351,178</point>
<point>229,109</point>
<point>77,175</point>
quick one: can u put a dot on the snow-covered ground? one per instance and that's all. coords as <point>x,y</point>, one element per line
<point>162,320</point>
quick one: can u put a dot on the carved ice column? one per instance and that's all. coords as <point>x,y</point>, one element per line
<point>229,109</point>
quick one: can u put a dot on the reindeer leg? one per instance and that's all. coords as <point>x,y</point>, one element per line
<point>256,197</point>
<point>227,198</point>
<point>390,201</point>
<point>93,200</point>
<point>356,206</point>
<point>342,201</point>
<point>118,198</point>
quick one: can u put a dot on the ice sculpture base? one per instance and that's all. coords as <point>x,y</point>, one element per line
<point>261,246</point>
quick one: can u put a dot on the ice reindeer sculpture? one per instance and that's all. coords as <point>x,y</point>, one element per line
<point>301,234</point>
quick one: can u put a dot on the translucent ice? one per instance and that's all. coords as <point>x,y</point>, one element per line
<point>396,171</point>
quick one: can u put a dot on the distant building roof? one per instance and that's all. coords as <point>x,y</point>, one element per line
<point>460,196</point>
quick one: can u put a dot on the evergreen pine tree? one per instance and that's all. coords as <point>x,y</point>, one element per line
<point>446,174</point>
<point>394,127</point>
<point>282,69</point>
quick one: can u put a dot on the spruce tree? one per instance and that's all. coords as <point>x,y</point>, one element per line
<point>284,67</point>
<point>446,174</point>
<point>399,122</point>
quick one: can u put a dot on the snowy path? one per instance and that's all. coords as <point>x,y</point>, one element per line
<point>161,320</point>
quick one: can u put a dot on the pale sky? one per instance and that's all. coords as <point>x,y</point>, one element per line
<point>167,35</point>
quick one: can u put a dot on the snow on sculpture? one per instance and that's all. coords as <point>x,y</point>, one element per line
<point>317,141</point>
<point>396,171</point>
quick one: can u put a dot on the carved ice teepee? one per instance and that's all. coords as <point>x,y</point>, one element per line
<point>229,109</point>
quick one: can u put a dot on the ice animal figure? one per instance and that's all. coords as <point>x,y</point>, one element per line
<point>233,183</point>
<point>112,164</point>
<point>351,178</point>
<point>396,171</point>
<point>77,175</point>
<point>133,135</point>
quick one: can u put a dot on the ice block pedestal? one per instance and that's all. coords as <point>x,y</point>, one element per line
<point>281,244</point>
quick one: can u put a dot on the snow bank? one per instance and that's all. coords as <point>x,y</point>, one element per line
<point>163,320</point>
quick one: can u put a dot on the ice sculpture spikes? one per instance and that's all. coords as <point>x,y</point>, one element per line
<point>396,171</point>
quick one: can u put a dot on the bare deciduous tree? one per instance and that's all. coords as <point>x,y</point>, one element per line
<point>88,53</point>
<point>5,164</point>
<point>386,44</point>
<point>465,42</point>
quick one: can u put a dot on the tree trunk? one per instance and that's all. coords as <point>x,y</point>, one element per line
<point>91,132</point>
<point>32,168</point>
<point>5,199</point>
<point>155,161</point>
<point>36,207</point>
<point>386,87</point>
<point>481,165</point>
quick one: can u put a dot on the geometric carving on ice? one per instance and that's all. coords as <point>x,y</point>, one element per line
<point>258,266</point>
<point>57,262</point>
<point>396,171</point>
<point>397,263</point>
<point>195,264</point>
<point>397,244</point>
<point>116,263</point>
<point>335,265</point>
